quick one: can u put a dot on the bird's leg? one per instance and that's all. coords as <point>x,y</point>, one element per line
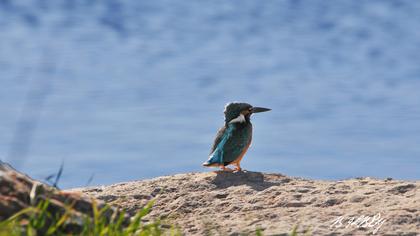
<point>224,168</point>
<point>238,167</point>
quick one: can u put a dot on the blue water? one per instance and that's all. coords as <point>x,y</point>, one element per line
<point>127,90</point>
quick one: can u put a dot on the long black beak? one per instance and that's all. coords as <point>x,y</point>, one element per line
<point>259,109</point>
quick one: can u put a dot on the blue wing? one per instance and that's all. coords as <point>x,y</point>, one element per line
<point>216,156</point>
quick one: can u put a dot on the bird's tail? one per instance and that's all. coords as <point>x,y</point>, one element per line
<point>215,158</point>
<point>210,164</point>
<point>207,164</point>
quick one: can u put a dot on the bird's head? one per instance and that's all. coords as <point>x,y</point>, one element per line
<point>240,112</point>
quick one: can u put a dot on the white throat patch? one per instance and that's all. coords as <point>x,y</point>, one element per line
<point>240,119</point>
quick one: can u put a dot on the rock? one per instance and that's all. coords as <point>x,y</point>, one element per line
<point>224,203</point>
<point>403,188</point>
<point>357,198</point>
<point>295,204</point>
<point>331,202</point>
<point>221,195</point>
<point>18,191</point>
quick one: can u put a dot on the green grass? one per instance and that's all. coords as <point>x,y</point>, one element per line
<point>39,221</point>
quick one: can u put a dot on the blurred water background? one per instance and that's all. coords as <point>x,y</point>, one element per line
<point>127,90</point>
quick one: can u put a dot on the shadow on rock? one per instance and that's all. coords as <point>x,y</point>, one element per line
<point>255,180</point>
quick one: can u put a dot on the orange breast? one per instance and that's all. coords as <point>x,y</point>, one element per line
<point>238,160</point>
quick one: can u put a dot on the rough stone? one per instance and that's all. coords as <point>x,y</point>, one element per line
<point>223,203</point>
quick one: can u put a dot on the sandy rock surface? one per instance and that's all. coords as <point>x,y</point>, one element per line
<point>221,203</point>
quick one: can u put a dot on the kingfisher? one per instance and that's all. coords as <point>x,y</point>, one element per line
<point>234,138</point>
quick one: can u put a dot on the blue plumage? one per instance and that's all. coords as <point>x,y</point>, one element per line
<point>216,157</point>
<point>233,139</point>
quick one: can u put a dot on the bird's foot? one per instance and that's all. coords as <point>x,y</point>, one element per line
<point>238,169</point>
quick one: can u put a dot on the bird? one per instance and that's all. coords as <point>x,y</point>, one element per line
<point>234,137</point>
